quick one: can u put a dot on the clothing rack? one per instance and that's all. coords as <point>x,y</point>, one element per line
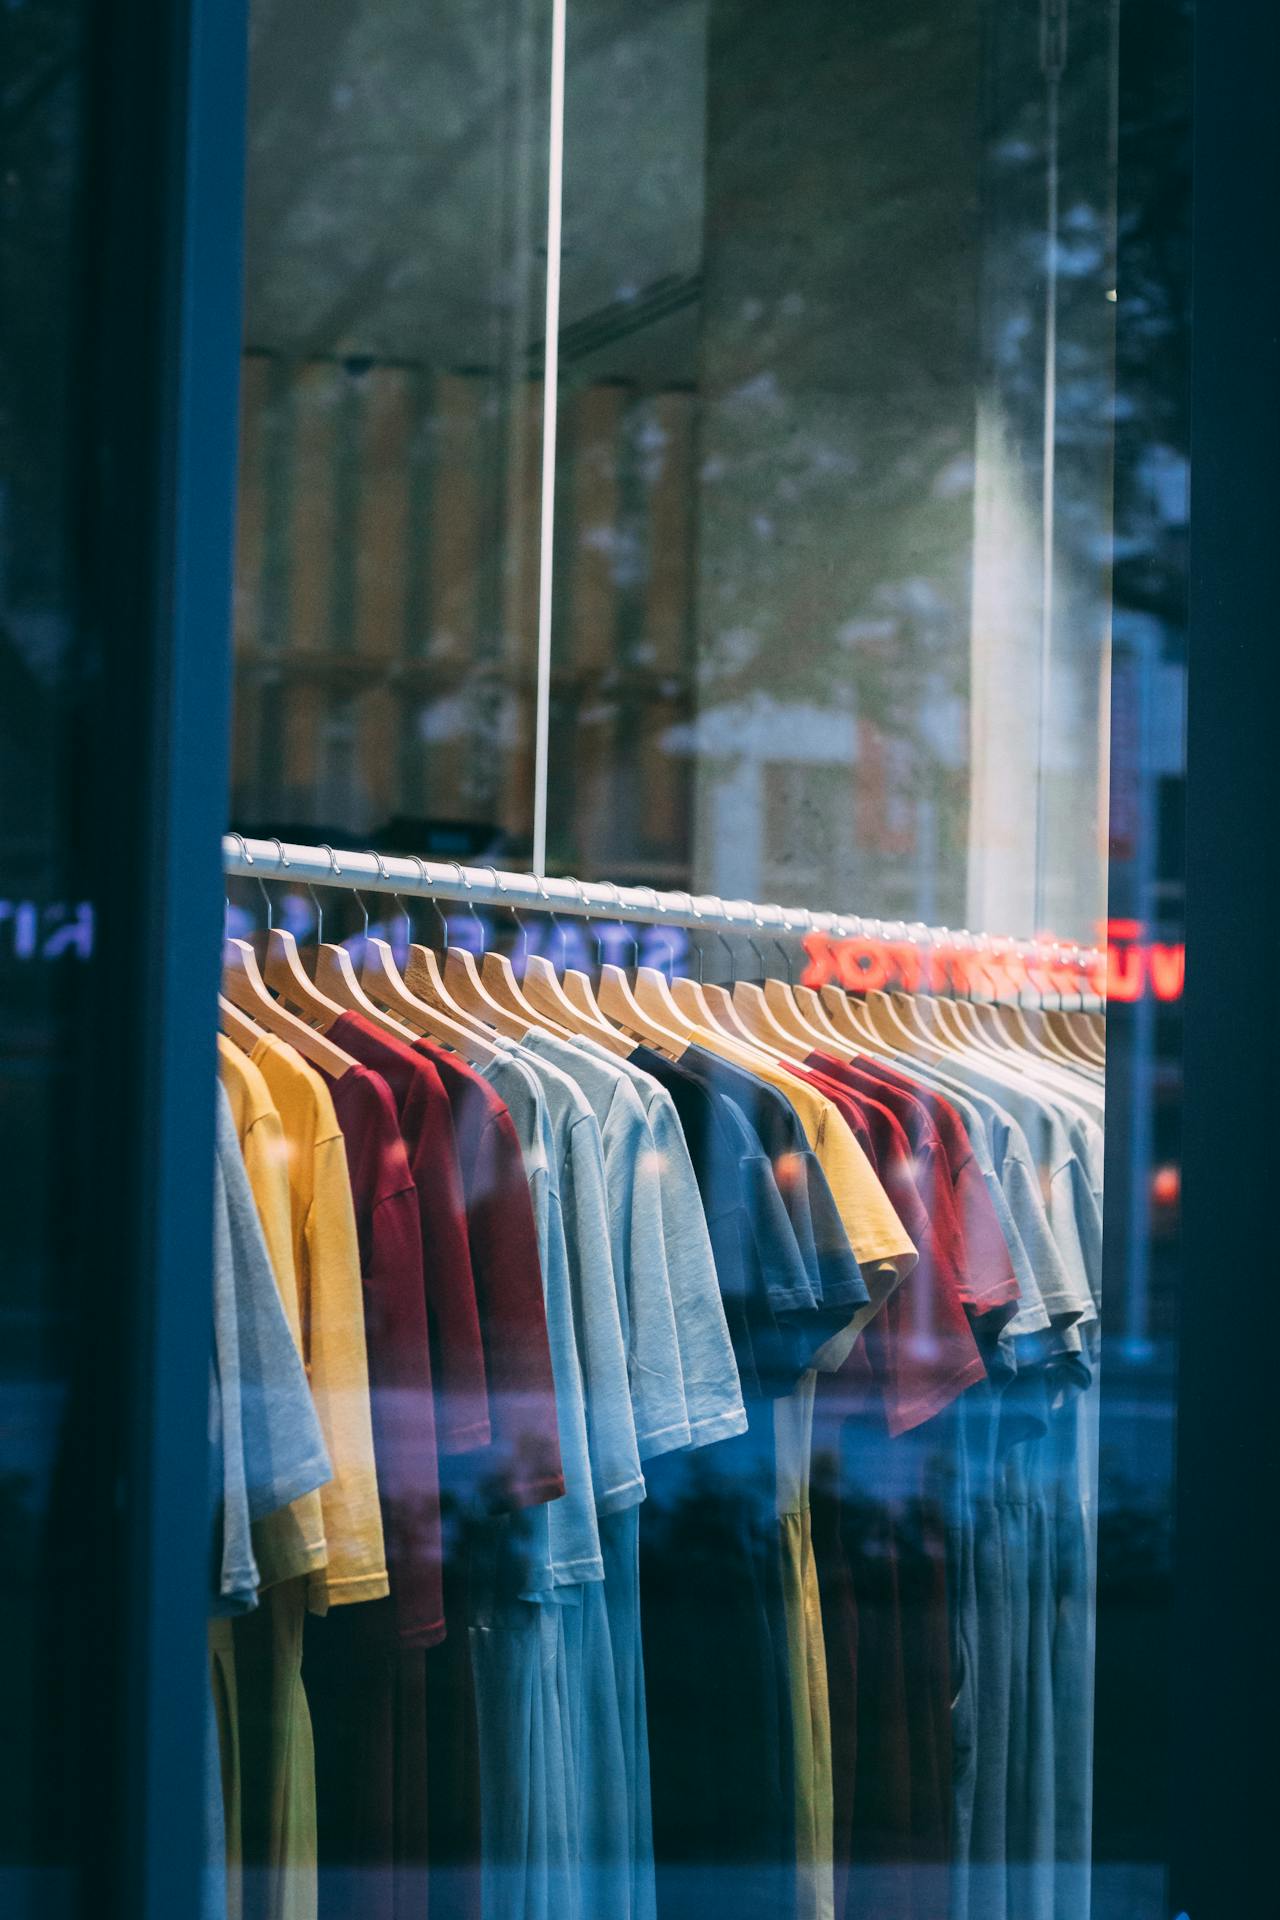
<point>409,876</point>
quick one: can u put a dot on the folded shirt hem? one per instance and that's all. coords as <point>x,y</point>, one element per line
<point>663,1440</point>
<point>553,1579</point>
<point>306,1478</point>
<point>997,1294</point>
<point>351,1587</point>
<point>310,1560</point>
<point>936,1398</point>
<point>616,1499</point>
<point>465,1439</point>
<point>535,1493</point>
<point>717,1426</point>
<point>427,1636</point>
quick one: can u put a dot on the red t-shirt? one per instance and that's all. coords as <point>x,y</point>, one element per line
<point>395,1324</point>
<point>426,1124</point>
<point>524,1458</point>
<point>938,1139</point>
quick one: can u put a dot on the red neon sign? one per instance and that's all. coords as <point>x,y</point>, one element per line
<point>1126,968</point>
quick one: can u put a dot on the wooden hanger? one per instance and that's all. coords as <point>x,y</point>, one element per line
<point>580,993</point>
<point>1092,1032</point>
<point>425,978</point>
<point>708,1006</point>
<point>891,1023</point>
<point>620,1004</point>
<point>244,987</point>
<point>757,1016</point>
<point>1068,1028</point>
<point>842,1009</point>
<point>499,978</point>
<point>695,1000</point>
<point>468,991</point>
<point>387,987</point>
<point>1043,1025</point>
<point>845,1008</point>
<point>577,1016</point>
<point>652,993</point>
<point>783,1004</point>
<point>814,1010</point>
<point>335,976</point>
<point>282,967</point>
<point>238,1026</point>
<point>958,1020</point>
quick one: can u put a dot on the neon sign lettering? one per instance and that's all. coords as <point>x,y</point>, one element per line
<point>1127,968</point>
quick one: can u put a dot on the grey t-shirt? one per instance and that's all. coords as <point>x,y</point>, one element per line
<point>1057,1270</point>
<point>266,1444</point>
<point>636,1243</point>
<point>578,1157</point>
<point>560,1540</point>
<point>1066,1178</point>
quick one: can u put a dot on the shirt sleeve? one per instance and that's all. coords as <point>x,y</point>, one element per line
<point>462,1406</point>
<point>333,1327</point>
<point>876,1234</point>
<point>611,1432</point>
<point>523,1460</point>
<point>271,1438</point>
<point>290,1540</point>
<point>403,1416</point>
<point>643,1283</point>
<point>712,1388</point>
<point>235,1572</point>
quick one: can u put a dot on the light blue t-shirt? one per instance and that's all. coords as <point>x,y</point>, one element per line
<point>1066,1181</point>
<point>560,1540</point>
<point>266,1447</point>
<point>636,1243</point>
<point>578,1157</point>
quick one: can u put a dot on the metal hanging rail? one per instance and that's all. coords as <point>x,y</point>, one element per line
<point>485,886</point>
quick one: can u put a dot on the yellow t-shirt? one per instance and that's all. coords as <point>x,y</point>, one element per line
<point>881,1245</point>
<point>326,1255</point>
<point>290,1541</point>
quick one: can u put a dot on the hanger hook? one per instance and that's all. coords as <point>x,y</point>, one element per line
<point>315,898</point>
<point>697,944</point>
<point>554,917</point>
<point>262,885</point>
<point>778,946</point>
<point>764,971</point>
<point>655,897</point>
<point>359,897</point>
<point>247,857</point>
<point>403,904</point>
<point>635,944</point>
<point>521,927</point>
<point>725,942</point>
<point>471,905</point>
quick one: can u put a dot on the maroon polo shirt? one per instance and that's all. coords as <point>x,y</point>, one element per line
<point>426,1123</point>
<point>940,1143</point>
<point>395,1322</point>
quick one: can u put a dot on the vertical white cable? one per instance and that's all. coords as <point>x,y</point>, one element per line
<point>1053,49</point>
<point>550,382</point>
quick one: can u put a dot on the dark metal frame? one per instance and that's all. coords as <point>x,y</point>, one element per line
<point>160,407</point>
<point>1224,1617</point>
